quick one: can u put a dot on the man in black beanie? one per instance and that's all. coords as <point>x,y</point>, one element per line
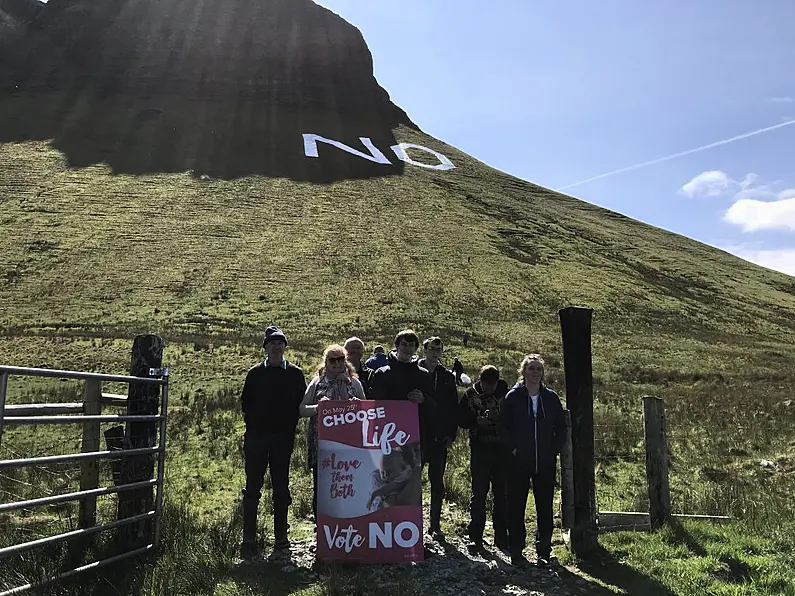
<point>271,395</point>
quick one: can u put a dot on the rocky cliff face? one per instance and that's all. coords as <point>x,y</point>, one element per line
<point>14,16</point>
<point>22,11</point>
<point>220,87</point>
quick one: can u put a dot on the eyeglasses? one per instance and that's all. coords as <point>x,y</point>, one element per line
<point>335,359</point>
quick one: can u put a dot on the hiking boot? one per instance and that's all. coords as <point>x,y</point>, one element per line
<point>501,543</point>
<point>519,560</point>
<point>248,546</point>
<point>248,550</point>
<point>282,544</point>
<point>547,562</point>
<point>475,547</point>
<point>280,526</point>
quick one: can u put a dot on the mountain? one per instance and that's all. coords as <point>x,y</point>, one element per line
<point>158,171</point>
<point>14,17</point>
<point>220,88</point>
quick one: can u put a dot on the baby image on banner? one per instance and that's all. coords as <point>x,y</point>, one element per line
<point>369,482</point>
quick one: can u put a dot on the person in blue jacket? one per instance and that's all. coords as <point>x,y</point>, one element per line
<point>378,359</point>
<point>532,429</point>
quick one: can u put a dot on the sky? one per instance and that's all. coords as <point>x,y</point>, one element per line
<point>680,114</point>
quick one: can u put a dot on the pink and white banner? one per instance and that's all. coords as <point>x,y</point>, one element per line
<point>369,482</point>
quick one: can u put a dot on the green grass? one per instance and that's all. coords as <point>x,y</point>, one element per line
<point>696,558</point>
<point>89,257</point>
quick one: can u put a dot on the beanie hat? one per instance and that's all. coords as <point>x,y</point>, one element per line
<point>273,332</point>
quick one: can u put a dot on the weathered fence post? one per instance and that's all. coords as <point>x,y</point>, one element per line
<point>142,399</point>
<point>567,478</point>
<point>3,387</point>
<point>89,470</point>
<point>656,461</point>
<point>575,326</point>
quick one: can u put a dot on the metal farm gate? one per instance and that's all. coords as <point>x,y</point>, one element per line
<point>131,463</point>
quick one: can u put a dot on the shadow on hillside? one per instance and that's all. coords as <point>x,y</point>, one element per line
<point>226,91</point>
<point>224,139</point>
<point>604,566</point>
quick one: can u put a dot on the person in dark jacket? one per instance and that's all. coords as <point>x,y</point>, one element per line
<point>532,428</point>
<point>479,411</point>
<point>445,428</point>
<point>271,395</point>
<point>354,347</point>
<point>378,359</point>
<point>404,378</point>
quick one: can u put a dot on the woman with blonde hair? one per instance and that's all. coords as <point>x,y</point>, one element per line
<point>532,428</point>
<point>334,380</point>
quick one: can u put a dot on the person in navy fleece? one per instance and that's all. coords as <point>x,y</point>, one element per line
<point>532,428</point>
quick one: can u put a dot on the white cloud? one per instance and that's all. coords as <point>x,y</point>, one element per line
<point>756,206</point>
<point>748,181</point>
<point>754,215</point>
<point>782,259</point>
<point>782,99</point>
<point>710,184</point>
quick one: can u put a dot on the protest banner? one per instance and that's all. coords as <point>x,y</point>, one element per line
<point>369,485</point>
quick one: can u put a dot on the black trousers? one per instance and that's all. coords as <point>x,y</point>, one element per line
<point>487,466</point>
<point>520,478</point>
<point>261,450</point>
<point>436,457</point>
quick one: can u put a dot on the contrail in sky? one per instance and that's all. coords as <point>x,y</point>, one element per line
<point>681,154</point>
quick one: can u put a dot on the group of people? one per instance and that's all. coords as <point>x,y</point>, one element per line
<point>515,434</point>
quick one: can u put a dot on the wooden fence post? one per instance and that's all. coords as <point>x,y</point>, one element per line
<point>89,470</point>
<point>142,399</point>
<point>575,326</point>
<point>3,388</point>
<point>567,478</point>
<point>656,461</point>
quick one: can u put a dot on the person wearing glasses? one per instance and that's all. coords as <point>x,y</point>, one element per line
<point>404,378</point>
<point>531,426</point>
<point>271,395</point>
<point>445,428</point>
<point>335,380</point>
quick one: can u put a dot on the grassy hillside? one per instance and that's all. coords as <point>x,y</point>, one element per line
<point>91,257</point>
<point>189,209</point>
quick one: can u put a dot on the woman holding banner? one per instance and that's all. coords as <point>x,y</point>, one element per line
<point>336,379</point>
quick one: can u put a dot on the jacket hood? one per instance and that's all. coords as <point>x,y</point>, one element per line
<point>502,387</point>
